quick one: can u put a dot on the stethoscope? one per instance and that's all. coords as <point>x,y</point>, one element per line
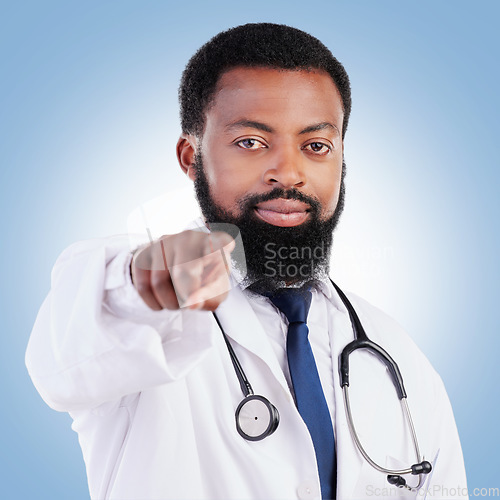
<point>257,418</point>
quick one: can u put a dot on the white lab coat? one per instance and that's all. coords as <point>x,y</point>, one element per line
<point>153,396</point>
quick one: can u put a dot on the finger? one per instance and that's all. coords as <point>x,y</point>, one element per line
<point>161,283</point>
<point>142,282</point>
<point>142,258</point>
<point>215,286</point>
<point>194,260</point>
<point>186,276</point>
<point>216,271</point>
<point>141,278</point>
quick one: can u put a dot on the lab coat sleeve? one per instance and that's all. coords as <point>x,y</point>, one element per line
<point>94,340</point>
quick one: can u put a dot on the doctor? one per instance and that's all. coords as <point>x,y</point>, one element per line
<point>128,344</point>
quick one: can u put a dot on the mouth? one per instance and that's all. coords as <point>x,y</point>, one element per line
<point>283,212</point>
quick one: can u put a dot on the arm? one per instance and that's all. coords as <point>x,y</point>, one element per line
<point>96,341</point>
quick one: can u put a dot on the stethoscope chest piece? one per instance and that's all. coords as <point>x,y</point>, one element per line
<point>256,418</point>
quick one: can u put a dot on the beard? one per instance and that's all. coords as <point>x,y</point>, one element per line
<point>273,256</point>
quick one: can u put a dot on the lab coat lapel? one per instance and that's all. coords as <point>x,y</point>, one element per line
<point>242,326</point>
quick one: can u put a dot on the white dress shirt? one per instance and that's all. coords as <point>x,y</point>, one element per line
<point>275,324</point>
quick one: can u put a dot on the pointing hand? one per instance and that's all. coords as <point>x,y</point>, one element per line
<point>189,269</point>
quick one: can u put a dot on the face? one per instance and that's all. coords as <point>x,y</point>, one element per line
<point>271,129</point>
<point>270,159</point>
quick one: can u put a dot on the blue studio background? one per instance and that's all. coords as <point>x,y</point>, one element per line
<point>89,123</point>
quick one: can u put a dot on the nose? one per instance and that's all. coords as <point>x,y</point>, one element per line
<point>285,169</point>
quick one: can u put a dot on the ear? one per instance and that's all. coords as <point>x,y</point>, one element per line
<point>186,149</point>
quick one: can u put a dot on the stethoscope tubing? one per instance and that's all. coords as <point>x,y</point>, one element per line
<point>246,387</point>
<point>390,472</point>
<point>361,341</point>
<point>265,408</point>
<point>253,408</point>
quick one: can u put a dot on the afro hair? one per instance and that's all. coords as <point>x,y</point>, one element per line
<point>268,45</point>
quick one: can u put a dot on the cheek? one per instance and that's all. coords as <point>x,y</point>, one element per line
<point>328,194</point>
<point>225,187</point>
<point>229,178</point>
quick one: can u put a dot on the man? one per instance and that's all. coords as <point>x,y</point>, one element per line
<point>127,342</point>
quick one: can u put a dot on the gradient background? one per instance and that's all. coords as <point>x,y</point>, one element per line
<point>88,126</point>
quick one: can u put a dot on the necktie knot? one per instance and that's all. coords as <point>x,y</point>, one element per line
<point>294,303</point>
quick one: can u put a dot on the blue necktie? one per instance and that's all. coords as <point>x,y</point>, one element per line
<point>311,403</point>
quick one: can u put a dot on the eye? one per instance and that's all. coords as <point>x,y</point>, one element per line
<point>250,143</point>
<point>319,148</point>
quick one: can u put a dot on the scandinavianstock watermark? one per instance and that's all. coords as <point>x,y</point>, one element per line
<point>292,261</point>
<point>303,262</point>
<point>436,490</point>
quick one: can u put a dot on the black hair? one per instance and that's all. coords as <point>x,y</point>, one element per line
<point>253,45</point>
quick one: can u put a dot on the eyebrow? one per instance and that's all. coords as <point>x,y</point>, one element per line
<point>266,128</point>
<point>319,126</point>
<point>250,124</point>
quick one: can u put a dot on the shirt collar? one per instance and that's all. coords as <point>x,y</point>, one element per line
<point>324,287</point>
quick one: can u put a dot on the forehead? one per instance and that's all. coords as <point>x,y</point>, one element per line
<point>275,96</point>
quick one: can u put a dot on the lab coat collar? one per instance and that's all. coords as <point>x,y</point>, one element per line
<point>338,336</point>
<point>245,328</point>
<point>341,332</point>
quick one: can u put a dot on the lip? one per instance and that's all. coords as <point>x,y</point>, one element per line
<point>283,212</point>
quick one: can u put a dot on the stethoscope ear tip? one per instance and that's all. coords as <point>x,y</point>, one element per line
<point>423,467</point>
<point>396,481</point>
